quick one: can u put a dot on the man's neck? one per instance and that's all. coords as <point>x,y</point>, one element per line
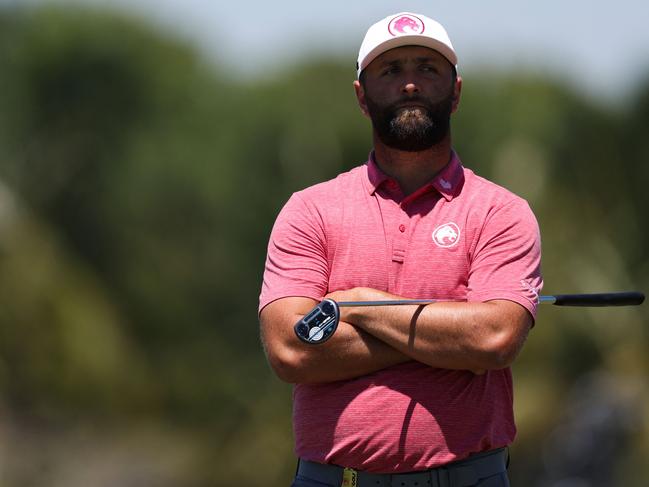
<point>412,170</point>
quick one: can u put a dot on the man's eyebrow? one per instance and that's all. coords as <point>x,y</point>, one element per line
<point>394,62</point>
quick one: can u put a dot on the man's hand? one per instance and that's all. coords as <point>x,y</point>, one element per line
<point>357,294</point>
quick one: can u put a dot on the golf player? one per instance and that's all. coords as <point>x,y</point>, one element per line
<point>403,395</point>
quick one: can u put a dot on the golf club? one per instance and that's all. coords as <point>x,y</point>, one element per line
<point>321,322</point>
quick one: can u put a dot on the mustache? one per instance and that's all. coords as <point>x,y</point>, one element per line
<point>414,99</point>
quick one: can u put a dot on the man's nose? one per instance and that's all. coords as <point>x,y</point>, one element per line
<point>410,88</point>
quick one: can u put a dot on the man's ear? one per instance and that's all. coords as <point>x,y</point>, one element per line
<point>457,91</point>
<point>360,97</point>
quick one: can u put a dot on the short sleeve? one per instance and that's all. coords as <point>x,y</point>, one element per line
<point>296,263</point>
<point>506,261</point>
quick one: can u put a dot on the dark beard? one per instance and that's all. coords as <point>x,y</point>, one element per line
<point>411,129</point>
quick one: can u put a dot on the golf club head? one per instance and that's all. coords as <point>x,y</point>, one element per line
<point>319,324</point>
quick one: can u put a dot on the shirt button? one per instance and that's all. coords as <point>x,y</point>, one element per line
<point>402,228</point>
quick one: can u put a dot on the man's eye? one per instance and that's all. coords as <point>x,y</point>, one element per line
<point>429,69</point>
<point>392,70</point>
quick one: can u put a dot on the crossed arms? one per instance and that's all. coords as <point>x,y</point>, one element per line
<point>474,336</point>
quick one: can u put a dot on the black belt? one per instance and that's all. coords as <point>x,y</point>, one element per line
<point>457,474</point>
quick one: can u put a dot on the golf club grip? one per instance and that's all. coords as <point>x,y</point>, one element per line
<point>599,299</point>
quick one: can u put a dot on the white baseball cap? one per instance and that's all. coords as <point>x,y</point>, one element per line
<point>404,29</point>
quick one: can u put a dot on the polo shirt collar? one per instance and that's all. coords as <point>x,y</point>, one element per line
<point>448,182</point>
<point>375,177</point>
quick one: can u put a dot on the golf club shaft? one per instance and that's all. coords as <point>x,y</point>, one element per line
<point>630,298</point>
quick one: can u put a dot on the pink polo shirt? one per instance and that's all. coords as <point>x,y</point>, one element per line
<point>460,237</point>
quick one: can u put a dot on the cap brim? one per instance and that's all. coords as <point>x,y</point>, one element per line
<point>414,40</point>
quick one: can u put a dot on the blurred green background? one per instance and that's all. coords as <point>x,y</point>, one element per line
<point>138,185</point>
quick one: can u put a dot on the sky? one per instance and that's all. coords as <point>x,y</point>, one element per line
<point>598,47</point>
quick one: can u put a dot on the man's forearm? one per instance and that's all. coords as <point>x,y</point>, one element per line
<point>471,336</point>
<point>350,352</point>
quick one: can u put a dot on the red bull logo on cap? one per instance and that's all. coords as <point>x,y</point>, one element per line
<point>406,25</point>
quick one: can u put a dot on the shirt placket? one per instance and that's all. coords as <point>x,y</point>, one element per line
<point>400,241</point>
<point>398,232</point>
<point>399,249</point>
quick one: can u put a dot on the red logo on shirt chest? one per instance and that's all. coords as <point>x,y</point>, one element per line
<point>446,235</point>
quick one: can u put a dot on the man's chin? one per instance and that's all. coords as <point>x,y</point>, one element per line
<point>411,113</point>
<point>409,125</point>
<point>412,137</point>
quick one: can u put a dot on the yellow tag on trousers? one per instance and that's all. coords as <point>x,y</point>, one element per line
<point>349,477</point>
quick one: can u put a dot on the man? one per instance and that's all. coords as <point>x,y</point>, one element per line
<point>404,395</point>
